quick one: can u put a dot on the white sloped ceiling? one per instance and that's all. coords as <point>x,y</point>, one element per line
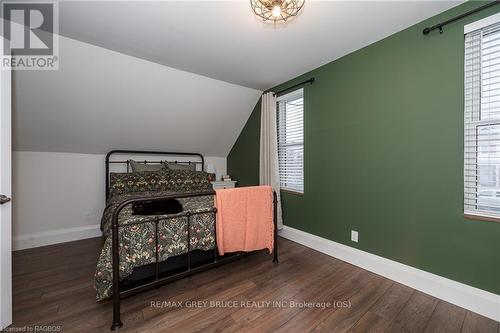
<point>100,100</point>
<point>105,95</point>
<point>226,41</point>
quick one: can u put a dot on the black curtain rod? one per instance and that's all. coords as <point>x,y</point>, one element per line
<point>459,17</point>
<point>310,81</point>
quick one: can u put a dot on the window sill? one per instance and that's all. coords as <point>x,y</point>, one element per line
<point>294,192</point>
<point>482,218</point>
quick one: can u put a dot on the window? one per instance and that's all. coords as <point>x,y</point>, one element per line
<point>291,140</point>
<point>482,119</point>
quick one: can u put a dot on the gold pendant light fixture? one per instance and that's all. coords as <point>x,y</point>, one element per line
<point>276,10</point>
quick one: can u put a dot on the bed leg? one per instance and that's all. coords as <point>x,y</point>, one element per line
<point>116,276</point>
<point>117,323</point>
<point>275,218</point>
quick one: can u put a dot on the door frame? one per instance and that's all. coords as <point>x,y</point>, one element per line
<point>5,189</point>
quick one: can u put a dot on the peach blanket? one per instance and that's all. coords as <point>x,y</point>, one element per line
<point>244,219</point>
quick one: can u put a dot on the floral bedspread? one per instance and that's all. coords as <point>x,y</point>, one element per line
<point>137,241</point>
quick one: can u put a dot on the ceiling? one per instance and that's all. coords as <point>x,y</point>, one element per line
<point>225,41</point>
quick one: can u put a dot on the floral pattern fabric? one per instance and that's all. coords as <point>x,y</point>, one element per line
<point>136,233</point>
<point>163,180</point>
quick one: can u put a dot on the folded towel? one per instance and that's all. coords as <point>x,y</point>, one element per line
<point>244,219</point>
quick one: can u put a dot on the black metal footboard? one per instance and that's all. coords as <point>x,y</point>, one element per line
<point>119,294</point>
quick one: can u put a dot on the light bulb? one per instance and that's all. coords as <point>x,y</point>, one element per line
<point>276,11</point>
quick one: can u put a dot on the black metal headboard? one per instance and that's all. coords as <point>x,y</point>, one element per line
<point>201,160</point>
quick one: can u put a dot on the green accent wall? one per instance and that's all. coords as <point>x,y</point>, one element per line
<point>384,155</point>
<point>243,160</point>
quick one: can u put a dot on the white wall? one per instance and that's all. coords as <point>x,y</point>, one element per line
<point>59,197</point>
<point>100,100</point>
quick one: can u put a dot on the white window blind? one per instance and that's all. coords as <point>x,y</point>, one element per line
<point>291,140</point>
<point>482,122</point>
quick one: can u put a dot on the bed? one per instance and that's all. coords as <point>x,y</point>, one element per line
<point>144,249</point>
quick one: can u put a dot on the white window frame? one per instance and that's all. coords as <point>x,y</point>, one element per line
<point>290,186</point>
<point>480,24</point>
<point>472,124</point>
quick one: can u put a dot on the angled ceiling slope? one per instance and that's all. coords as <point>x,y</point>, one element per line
<point>225,41</point>
<point>100,100</point>
<point>113,89</point>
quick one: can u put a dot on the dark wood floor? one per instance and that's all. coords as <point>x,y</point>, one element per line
<point>53,286</point>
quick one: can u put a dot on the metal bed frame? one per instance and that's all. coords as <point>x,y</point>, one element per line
<point>118,294</point>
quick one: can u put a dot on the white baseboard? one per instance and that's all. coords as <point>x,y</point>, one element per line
<point>54,237</point>
<point>476,300</point>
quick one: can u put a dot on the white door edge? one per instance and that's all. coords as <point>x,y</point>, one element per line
<point>5,189</point>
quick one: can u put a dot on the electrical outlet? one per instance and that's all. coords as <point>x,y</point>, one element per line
<point>354,236</point>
